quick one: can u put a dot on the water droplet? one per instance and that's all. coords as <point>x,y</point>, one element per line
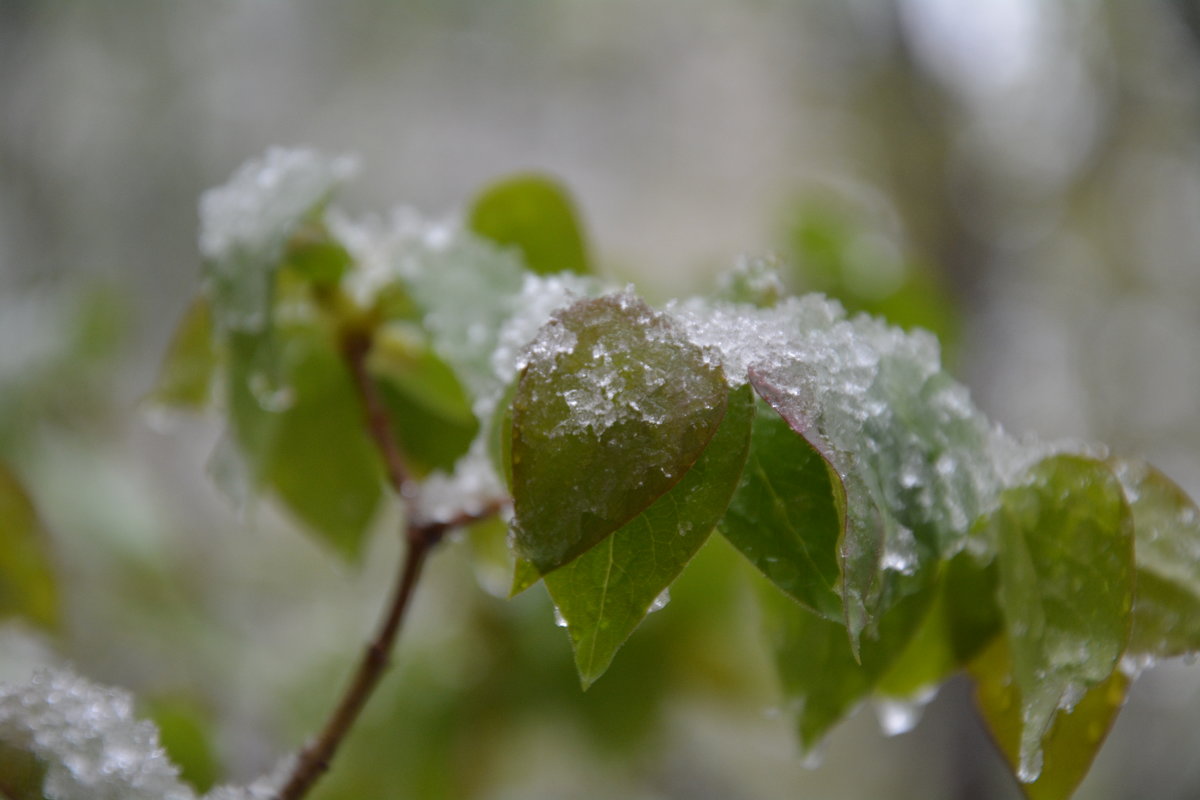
<point>559,619</point>
<point>1071,696</point>
<point>1030,767</point>
<point>901,716</point>
<point>900,552</point>
<point>660,602</point>
<point>814,756</point>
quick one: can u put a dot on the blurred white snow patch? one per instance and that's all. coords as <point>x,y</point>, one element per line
<point>258,206</point>
<point>379,245</point>
<point>468,491</point>
<point>88,739</point>
<point>265,788</point>
<point>245,224</point>
<point>92,746</point>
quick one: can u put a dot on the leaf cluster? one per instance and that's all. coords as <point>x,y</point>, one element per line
<point>902,537</point>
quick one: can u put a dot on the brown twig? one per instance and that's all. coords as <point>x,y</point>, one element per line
<point>355,347</point>
<point>420,536</point>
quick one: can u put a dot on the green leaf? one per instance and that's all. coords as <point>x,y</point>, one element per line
<point>257,391</point>
<point>429,410</point>
<point>401,356</point>
<point>321,462</point>
<point>604,593</point>
<point>821,680</point>
<point>21,774</point>
<point>910,449</point>
<point>429,439</point>
<point>962,619</point>
<point>860,538</point>
<point>1166,608</point>
<point>465,289</point>
<point>185,733</point>
<point>784,517</point>
<point>534,214</point>
<point>1064,543</point>
<point>27,586</point>
<point>524,576</point>
<point>612,410</point>
<point>312,254</point>
<point>1073,739</point>
<point>185,378</point>
<point>840,248</point>
<point>753,281</point>
<point>300,430</point>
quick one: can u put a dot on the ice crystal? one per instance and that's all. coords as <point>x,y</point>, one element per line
<point>540,297</point>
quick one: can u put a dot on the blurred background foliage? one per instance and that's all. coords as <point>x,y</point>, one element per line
<point>1020,176</point>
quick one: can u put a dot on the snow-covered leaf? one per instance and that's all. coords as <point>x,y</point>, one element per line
<point>1073,739</point>
<point>603,594</point>
<point>909,448</point>
<point>1166,607</point>
<point>612,410</point>
<point>1065,543</point>
<point>245,225</point>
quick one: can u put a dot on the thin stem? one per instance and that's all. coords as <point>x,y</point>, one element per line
<point>314,760</point>
<point>355,347</point>
<point>420,536</point>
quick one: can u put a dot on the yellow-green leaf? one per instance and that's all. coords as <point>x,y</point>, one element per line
<point>27,587</point>
<point>185,378</point>
<point>1064,543</point>
<point>1069,746</point>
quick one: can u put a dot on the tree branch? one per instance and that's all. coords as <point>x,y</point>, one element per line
<point>314,760</point>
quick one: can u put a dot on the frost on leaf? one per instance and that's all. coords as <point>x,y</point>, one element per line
<point>909,447</point>
<point>1064,541</point>
<point>478,311</point>
<point>245,224</point>
<point>605,593</point>
<point>1166,608</point>
<point>613,407</point>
